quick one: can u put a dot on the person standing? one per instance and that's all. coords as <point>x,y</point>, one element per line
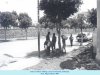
<point>71,40</point>
<point>64,42</point>
<point>53,41</point>
<point>48,37</point>
<point>47,44</point>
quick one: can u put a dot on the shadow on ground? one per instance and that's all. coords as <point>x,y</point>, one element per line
<point>43,54</point>
<point>2,41</point>
<point>35,54</point>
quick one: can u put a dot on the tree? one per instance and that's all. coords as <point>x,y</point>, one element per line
<point>81,23</point>
<point>15,19</point>
<point>92,17</point>
<point>59,10</point>
<point>24,21</point>
<point>7,19</point>
<point>73,22</point>
<point>46,23</point>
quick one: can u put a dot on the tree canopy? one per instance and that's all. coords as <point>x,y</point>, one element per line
<point>72,22</point>
<point>46,23</point>
<point>7,19</point>
<point>92,17</point>
<point>58,10</point>
<point>24,20</point>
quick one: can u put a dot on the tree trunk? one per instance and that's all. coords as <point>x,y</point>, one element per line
<point>68,30</point>
<point>26,33</point>
<point>5,29</point>
<point>59,39</point>
<point>93,28</point>
<point>75,30</point>
<point>39,41</point>
<point>81,37</point>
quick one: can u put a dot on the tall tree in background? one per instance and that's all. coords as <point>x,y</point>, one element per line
<point>92,17</point>
<point>73,22</point>
<point>15,19</point>
<point>24,21</point>
<point>7,19</point>
<point>59,10</point>
<point>81,22</point>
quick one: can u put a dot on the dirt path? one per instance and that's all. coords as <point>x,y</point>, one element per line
<point>53,63</point>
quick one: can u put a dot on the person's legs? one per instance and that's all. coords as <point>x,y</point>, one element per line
<point>65,48</point>
<point>48,50</point>
<point>54,45</point>
<point>62,48</point>
<point>71,42</point>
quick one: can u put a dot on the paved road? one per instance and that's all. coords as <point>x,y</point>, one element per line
<point>12,54</point>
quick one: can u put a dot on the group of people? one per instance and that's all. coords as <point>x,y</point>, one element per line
<point>48,43</point>
<point>64,38</point>
<point>52,44</point>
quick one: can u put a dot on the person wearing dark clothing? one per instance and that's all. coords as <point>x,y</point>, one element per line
<point>53,41</point>
<point>48,37</point>
<point>47,44</point>
<point>71,40</point>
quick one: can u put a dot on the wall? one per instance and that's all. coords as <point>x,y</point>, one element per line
<point>98,32</point>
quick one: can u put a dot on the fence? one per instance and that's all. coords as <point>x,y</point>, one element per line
<point>32,32</point>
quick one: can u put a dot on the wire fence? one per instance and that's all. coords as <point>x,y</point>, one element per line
<point>33,32</point>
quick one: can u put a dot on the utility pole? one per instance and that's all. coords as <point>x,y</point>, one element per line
<point>38,31</point>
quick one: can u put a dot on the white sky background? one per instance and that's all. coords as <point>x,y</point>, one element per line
<point>30,6</point>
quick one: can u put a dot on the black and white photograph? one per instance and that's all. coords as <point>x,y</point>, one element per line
<point>49,35</point>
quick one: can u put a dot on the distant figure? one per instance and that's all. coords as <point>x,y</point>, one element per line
<point>47,44</point>
<point>53,41</point>
<point>71,40</point>
<point>48,37</point>
<point>64,38</point>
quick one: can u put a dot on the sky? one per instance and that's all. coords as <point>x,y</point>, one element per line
<point>30,7</point>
